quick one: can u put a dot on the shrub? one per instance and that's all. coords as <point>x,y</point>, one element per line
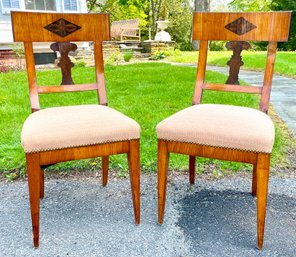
<point>177,52</point>
<point>167,53</point>
<point>4,67</point>
<point>113,59</point>
<point>80,63</point>
<point>184,46</point>
<point>158,55</point>
<point>128,55</point>
<point>217,46</point>
<point>18,49</point>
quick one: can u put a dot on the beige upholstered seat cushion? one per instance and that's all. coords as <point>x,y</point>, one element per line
<point>73,126</point>
<point>218,125</point>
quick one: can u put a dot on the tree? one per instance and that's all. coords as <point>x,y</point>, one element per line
<point>121,9</point>
<point>180,17</point>
<point>200,6</point>
<point>178,12</point>
<point>249,5</point>
<point>267,5</point>
<point>92,5</point>
<point>285,5</point>
<point>154,10</point>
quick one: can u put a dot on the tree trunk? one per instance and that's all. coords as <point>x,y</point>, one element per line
<point>200,6</point>
<point>155,6</point>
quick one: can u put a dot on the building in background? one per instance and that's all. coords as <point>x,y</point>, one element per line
<point>43,54</point>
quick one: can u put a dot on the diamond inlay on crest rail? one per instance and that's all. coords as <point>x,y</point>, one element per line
<point>240,26</point>
<point>62,27</point>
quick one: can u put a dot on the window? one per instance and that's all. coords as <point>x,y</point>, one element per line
<point>46,5</point>
<point>70,5</point>
<point>10,4</point>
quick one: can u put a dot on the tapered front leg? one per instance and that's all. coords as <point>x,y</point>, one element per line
<point>134,168</point>
<point>262,174</point>
<point>163,160</point>
<point>192,160</point>
<point>34,182</point>
<point>105,167</point>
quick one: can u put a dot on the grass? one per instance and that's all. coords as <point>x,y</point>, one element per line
<point>146,92</point>
<point>285,61</point>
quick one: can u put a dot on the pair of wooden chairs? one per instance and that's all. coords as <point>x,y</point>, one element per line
<point>223,132</point>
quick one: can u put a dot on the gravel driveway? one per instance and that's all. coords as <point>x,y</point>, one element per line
<point>211,218</point>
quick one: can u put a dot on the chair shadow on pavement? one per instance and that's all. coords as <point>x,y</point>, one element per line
<point>227,220</point>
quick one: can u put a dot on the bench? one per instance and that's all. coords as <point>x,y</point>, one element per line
<point>126,30</point>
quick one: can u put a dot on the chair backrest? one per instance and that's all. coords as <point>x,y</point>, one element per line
<point>260,26</point>
<point>129,26</point>
<point>29,27</point>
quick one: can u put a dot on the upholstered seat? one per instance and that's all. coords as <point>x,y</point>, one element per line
<point>220,125</point>
<point>74,126</point>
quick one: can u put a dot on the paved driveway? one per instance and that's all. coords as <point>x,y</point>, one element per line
<point>211,218</point>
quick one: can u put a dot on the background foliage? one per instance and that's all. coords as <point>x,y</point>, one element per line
<point>180,17</point>
<point>270,5</point>
<point>287,5</point>
<point>178,12</point>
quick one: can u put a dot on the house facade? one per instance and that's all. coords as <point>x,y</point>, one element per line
<point>6,6</point>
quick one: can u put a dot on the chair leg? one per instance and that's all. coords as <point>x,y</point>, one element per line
<point>163,161</point>
<point>254,180</point>
<point>105,167</point>
<point>34,182</point>
<point>192,160</point>
<point>134,167</point>
<point>41,183</point>
<point>262,173</point>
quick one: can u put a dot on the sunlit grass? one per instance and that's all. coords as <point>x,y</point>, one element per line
<point>147,93</point>
<point>285,61</point>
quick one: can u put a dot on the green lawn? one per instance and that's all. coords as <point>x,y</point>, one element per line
<point>146,92</point>
<point>285,61</point>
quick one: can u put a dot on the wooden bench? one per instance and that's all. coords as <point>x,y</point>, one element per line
<point>126,30</point>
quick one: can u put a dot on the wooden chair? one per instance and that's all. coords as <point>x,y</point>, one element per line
<point>225,132</point>
<point>62,134</point>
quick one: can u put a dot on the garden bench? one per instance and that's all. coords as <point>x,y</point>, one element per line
<point>126,30</point>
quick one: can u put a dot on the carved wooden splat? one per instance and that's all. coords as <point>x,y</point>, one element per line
<point>235,61</point>
<point>65,63</point>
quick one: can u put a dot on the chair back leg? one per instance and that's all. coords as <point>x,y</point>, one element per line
<point>192,160</point>
<point>105,168</point>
